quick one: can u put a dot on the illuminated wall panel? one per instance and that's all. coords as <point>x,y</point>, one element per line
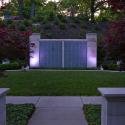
<point>50,54</point>
<point>75,54</point>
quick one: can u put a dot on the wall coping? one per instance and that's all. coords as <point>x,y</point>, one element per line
<point>60,40</point>
<point>112,92</point>
<point>3,91</point>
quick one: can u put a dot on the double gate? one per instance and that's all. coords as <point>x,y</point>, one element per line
<point>63,54</point>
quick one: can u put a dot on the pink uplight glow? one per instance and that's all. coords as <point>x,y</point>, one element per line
<point>93,61</point>
<point>34,61</point>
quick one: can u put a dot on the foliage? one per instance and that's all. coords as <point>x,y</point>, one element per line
<point>14,44</point>
<point>109,66</point>
<point>30,8</point>
<point>115,38</point>
<point>19,114</point>
<point>92,114</point>
<point>10,66</point>
<point>117,5</point>
<point>64,83</point>
<point>62,26</point>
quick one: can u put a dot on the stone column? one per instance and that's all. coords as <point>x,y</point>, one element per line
<point>3,92</point>
<point>113,112</point>
<point>34,50</point>
<point>91,50</point>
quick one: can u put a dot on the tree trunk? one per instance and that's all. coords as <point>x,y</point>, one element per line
<point>92,11</point>
<point>32,11</point>
<point>21,8</point>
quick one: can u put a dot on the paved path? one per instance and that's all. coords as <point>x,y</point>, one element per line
<point>57,110</point>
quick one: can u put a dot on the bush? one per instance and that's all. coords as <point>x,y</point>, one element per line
<point>62,26</point>
<point>73,26</point>
<point>57,21</point>
<point>75,20</point>
<point>62,18</point>
<point>7,22</point>
<point>47,26</point>
<point>49,35</point>
<point>22,27</point>
<point>14,44</point>
<point>34,19</point>
<point>27,22</point>
<point>45,20</point>
<point>10,66</point>
<point>19,114</point>
<point>109,66</point>
<point>36,28</point>
<point>51,16</point>
<point>93,114</point>
<point>11,26</point>
<point>83,17</point>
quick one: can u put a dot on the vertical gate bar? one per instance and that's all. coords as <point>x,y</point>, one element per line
<point>63,49</point>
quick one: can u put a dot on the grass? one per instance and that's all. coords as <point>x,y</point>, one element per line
<point>92,114</point>
<point>60,82</point>
<point>19,114</point>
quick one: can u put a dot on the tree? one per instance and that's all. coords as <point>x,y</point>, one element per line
<point>32,12</point>
<point>89,7</point>
<point>117,5</point>
<point>14,44</point>
<point>115,37</point>
<point>95,6</point>
<point>71,6</point>
<point>21,8</point>
<point>115,40</point>
<point>2,2</point>
<point>36,7</point>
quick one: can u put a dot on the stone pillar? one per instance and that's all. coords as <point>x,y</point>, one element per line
<point>34,50</point>
<point>113,112</point>
<point>91,50</point>
<point>3,92</point>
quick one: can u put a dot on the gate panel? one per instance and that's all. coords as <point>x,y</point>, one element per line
<point>75,54</point>
<point>50,54</point>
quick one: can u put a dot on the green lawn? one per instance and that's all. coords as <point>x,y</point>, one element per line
<point>60,83</point>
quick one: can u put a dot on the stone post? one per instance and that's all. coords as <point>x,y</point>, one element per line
<point>91,50</point>
<point>113,111</point>
<point>34,50</point>
<point>3,92</point>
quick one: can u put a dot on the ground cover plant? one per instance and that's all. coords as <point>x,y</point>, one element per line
<point>19,114</point>
<point>60,83</point>
<point>93,114</point>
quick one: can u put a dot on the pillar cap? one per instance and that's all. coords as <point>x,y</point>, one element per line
<point>112,92</point>
<point>3,91</point>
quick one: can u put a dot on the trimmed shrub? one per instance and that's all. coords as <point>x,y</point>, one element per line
<point>93,114</point>
<point>10,66</point>
<point>109,66</point>
<point>19,114</point>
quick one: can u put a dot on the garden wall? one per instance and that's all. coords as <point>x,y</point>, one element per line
<point>63,53</point>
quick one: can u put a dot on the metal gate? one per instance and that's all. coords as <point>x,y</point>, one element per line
<point>63,54</point>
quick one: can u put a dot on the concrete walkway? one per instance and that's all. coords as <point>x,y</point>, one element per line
<point>57,110</point>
